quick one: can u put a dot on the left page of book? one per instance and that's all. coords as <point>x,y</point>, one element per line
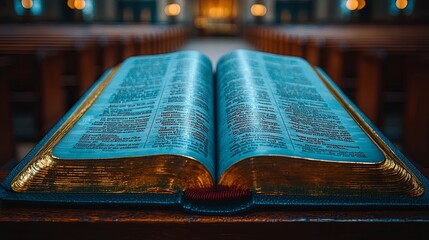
<point>154,105</point>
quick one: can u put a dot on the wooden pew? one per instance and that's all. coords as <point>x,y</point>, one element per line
<point>114,43</point>
<point>340,54</point>
<point>80,55</point>
<point>416,114</point>
<point>44,61</point>
<point>100,52</point>
<point>409,71</point>
<point>126,48</point>
<point>377,69</point>
<point>330,47</point>
<point>7,139</point>
<point>335,49</point>
<point>43,71</point>
<point>316,53</point>
<point>307,40</point>
<point>125,39</point>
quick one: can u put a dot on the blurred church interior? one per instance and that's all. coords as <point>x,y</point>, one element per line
<point>51,52</point>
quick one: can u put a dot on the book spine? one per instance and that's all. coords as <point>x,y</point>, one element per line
<point>217,201</point>
<point>217,195</point>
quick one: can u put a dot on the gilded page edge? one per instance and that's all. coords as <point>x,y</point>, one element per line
<point>44,158</point>
<point>386,150</point>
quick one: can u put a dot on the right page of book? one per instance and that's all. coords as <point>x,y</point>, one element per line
<point>277,105</point>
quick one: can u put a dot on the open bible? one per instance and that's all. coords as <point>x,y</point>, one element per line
<point>264,130</point>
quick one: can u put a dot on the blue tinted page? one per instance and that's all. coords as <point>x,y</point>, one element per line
<point>277,105</point>
<point>154,105</point>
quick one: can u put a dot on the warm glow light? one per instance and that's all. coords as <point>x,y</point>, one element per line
<point>258,10</point>
<point>361,4</point>
<point>401,4</point>
<point>200,22</point>
<point>352,5</point>
<point>79,4</point>
<point>219,12</point>
<point>27,4</point>
<point>70,3</point>
<point>172,9</point>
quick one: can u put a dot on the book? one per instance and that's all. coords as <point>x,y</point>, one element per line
<point>264,130</point>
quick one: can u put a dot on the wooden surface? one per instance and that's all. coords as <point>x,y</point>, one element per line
<point>94,222</point>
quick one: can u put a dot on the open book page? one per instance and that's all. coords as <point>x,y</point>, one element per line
<point>154,105</point>
<point>276,105</point>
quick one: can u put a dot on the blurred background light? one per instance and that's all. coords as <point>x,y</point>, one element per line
<point>352,5</point>
<point>70,4</point>
<point>401,4</point>
<point>401,7</point>
<point>361,4</point>
<point>172,9</point>
<point>79,4</point>
<point>258,10</point>
<point>27,4</point>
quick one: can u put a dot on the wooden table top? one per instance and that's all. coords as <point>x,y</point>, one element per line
<point>94,222</point>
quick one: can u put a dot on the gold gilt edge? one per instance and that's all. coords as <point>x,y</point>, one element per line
<point>44,157</point>
<point>388,153</point>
